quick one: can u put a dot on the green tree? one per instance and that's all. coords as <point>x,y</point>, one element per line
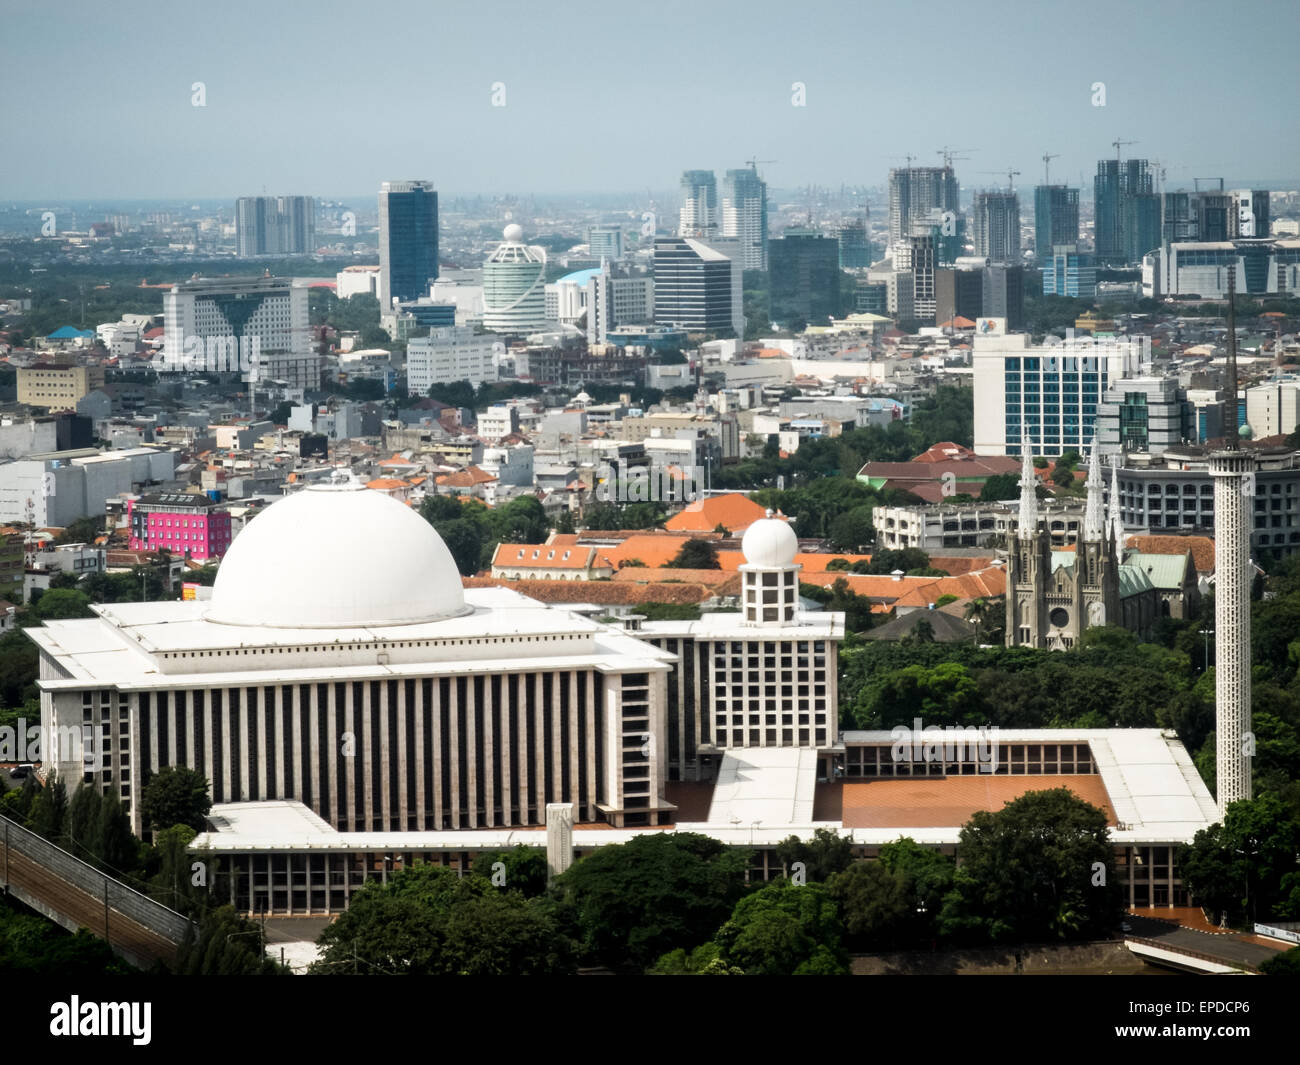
<point>59,603</point>
<point>999,487</point>
<point>824,855</point>
<point>1285,964</point>
<point>522,869</point>
<point>696,554</point>
<point>875,903</point>
<point>1041,868</point>
<point>175,795</point>
<point>81,531</point>
<point>49,810</point>
<point>853,530</point>
<point>1247,867</point>
<point>785,930</point>
<point>426,920</point>
<point>225,944</point>
<point>631,903</point>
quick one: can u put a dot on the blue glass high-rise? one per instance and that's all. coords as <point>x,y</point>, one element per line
<point>408,240</point>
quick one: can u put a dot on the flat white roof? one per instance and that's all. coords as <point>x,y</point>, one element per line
<point>1153,787</point>
<point>120,647</point>
<point>765,786</point>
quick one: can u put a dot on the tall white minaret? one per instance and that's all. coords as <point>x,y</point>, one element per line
<point>1233,472</point>
<point>1094,517</point>
<point>1028,528</point>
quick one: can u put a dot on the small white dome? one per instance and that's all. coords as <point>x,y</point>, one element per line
<point>513,233</point>
<point>336,556</point>
<point>770,542</point>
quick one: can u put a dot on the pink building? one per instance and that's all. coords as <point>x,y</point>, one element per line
<point>182,523</point>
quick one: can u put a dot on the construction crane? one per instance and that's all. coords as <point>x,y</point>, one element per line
<point>907,158</point>
<point>1010,174</point>
<point>1117,144</point>
<point>949,154</point>
<point>1047,166</point>
<point>753,163</point>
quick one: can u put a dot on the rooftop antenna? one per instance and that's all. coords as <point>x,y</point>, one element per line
<point>1231,435</point>
<point>1047,167</point>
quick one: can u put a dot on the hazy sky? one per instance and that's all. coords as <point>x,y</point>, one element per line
<point>329,98</point>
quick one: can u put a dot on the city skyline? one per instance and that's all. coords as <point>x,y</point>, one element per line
<point>498,106</point>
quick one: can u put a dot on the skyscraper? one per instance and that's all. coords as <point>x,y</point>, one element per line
<point>855,246</point>
<point>1056,218</point>
<point>1126,210</point>
<point>408,240</point>
<point>805,277</point>
<point>916,191</point>
<point>699,211</point>
<point>744,215</point>
<point>997,226</point>
<point>917,256</point>
<point>698,286</point>
<point>275,225</point>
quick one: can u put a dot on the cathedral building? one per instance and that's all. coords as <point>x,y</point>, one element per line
<point>1053,595</point>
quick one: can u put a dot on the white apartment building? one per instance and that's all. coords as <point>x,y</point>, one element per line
<point>1050,392</point>
<point>259,324</point>
<point>447,355</point>
<point>498,422</point>
<point>1273,408</point>
<point>357,281</point>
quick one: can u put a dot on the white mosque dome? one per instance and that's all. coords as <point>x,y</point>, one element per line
<point>336,556</point>
<point>770,542</point>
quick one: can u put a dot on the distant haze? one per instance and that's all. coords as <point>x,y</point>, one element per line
<point>622,97</point>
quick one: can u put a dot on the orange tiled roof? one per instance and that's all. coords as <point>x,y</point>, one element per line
<point>734,512</point>
<point>544,556</point>
<point>384,484</point>
<point>600,592</point>
<point>1201,547</point>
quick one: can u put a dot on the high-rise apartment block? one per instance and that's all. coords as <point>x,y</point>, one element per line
<point>408,240</point>
<point>699,216</point>
<point>915,192</point>
<point>1126,210</point>
<point>275,225</point>
<point>996,226</point>
<point>744,216</point>
<point>855,246</point>
<point>1056,219</point>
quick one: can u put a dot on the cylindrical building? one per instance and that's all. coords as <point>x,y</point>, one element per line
<point>1234,491</point>
<point>514,290</point>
